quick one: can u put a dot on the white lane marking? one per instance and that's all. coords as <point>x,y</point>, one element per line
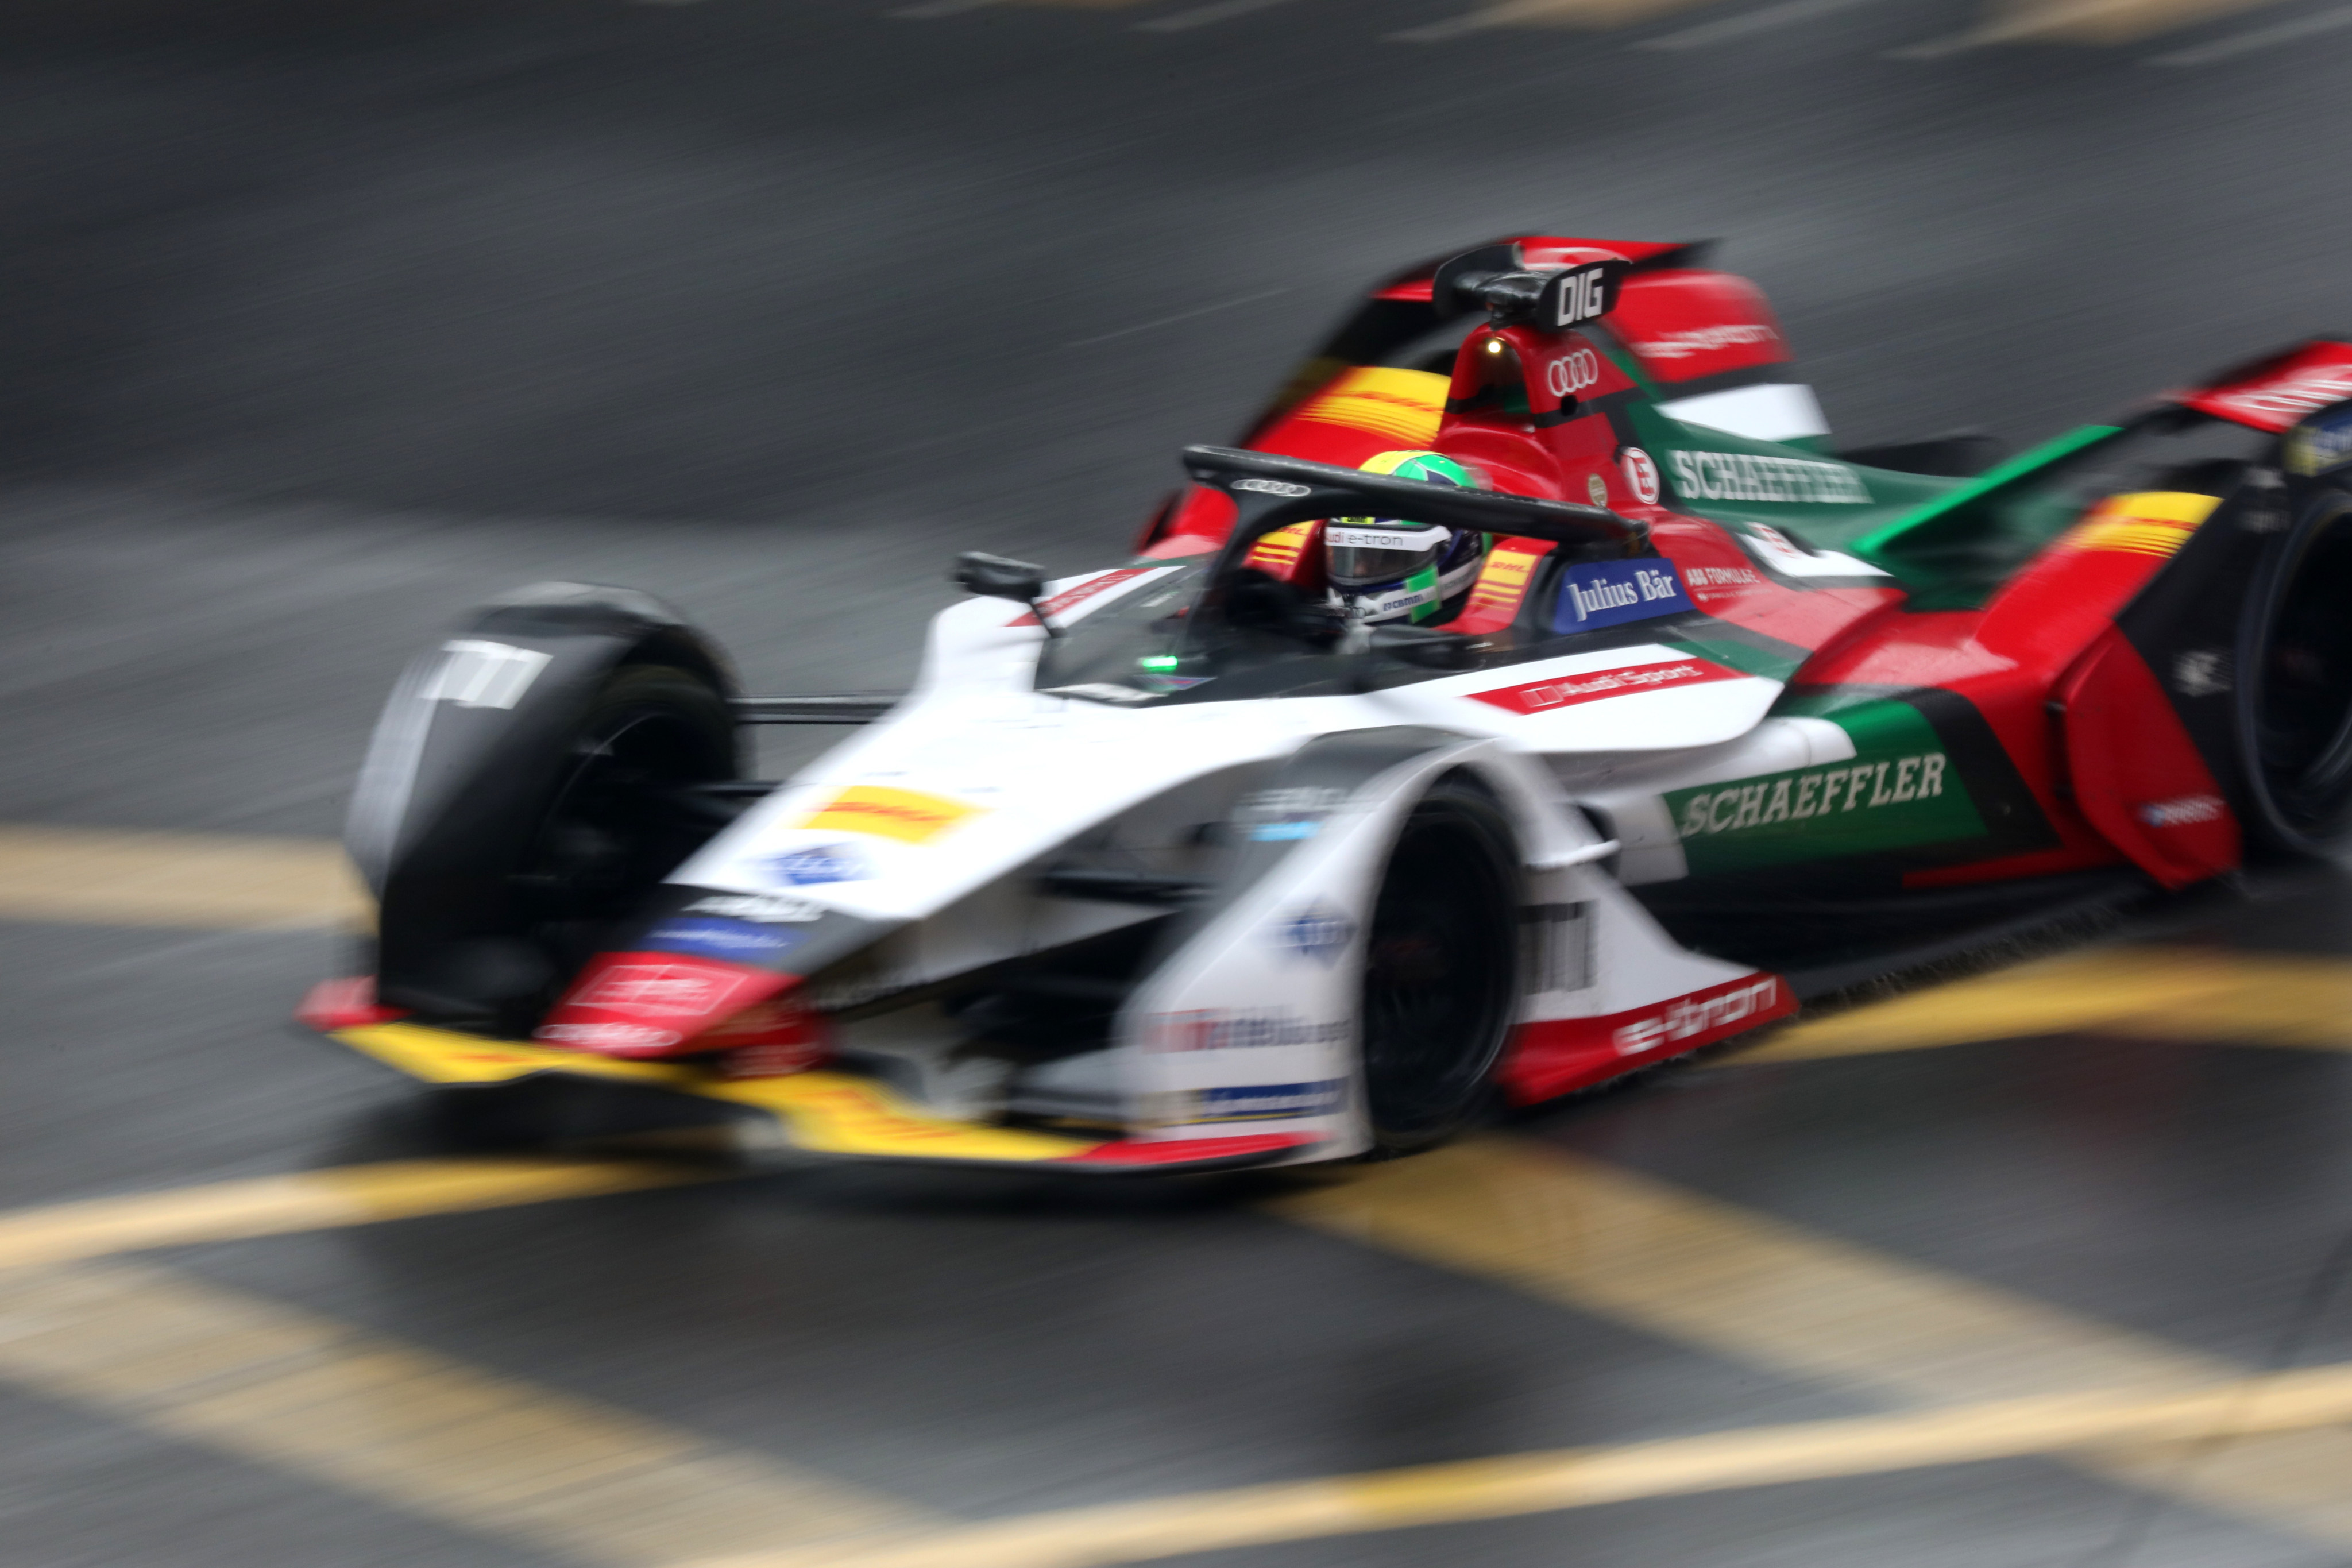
<point>2259,38</point>
<point>1787,14</point>
<point>1206,15</point>
<point>1179,316</point>
<point>931,10</point>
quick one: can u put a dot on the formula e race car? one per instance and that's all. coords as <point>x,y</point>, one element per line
<point>1173,865</point>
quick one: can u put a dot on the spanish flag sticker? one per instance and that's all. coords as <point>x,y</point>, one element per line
<point>1278,551</point>
<point>2145,523</point>
<point>1400,406</point>
<point>908,816</point>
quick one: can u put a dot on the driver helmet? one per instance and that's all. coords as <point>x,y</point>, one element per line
<point>1390,569</point>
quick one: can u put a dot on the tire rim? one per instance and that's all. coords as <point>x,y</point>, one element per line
<point>614,828</point>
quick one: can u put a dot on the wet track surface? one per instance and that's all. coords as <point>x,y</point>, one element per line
<point>317,330</point>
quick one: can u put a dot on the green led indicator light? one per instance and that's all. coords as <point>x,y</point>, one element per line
<point>1157,661</point>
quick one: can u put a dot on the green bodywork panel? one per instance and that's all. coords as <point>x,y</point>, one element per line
<point>1818,488</point>
<point>1745,657</point>
<point>1950,543</point>
<point>1900,791</point>
<point>1957,551</point>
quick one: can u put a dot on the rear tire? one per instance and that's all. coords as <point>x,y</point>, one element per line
<point>2295,688</point>
<point>1440,983</point>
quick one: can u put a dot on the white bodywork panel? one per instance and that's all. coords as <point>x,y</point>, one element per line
<point>1773,411</point>
<point>1666,718</point>
<point>1250,1026</point>
<point>1628,790</point>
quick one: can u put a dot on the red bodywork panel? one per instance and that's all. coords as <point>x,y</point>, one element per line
<point>1688,325</point>
<point>2135,774</point>
<point>656,1004</point>
<point>1553,1056</point>
<point>347,1002</point>
<point>2017,655</point>
<point>2273,393</point>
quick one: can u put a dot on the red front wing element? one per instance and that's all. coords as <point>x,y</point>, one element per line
<point>347,1003</point>
<point>652,1004</point>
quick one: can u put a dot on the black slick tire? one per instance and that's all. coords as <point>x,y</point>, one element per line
<point>2295,689</point>
<point>1440,981</point>
<point>620,815</point>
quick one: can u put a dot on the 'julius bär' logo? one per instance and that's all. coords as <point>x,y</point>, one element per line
<point>1610,592</point>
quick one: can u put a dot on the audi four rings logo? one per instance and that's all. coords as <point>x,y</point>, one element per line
<point>1572,372</point>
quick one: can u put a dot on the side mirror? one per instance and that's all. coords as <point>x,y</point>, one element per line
<point>996,577</point>
<point>1000,578</point>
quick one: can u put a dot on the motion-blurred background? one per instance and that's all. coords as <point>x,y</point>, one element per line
<point>322,318</point>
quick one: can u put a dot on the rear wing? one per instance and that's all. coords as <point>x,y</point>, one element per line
<point>1691,333</point>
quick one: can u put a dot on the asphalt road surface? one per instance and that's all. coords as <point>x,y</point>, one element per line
<point>320,322</point>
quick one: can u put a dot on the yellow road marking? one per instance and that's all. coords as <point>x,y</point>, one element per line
<point>1592,1238</point>
<point>1759,1290</point>
<point>86,876</point>
<point>1601,1241</point>
<point>1579,1478</point>
<point>2099,21</point>
<point>2157,992</point>
<point>315,1200</point>
<point>302,1393</point>
<point>1605,1240</point>
<point>1587,15</point>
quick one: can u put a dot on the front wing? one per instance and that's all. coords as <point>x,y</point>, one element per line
<point>833,1114</point>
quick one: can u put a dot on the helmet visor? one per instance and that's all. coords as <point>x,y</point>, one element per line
<point>1359,553</point>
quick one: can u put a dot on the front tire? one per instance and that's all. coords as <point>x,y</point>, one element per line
<point>2295,688</point>
<point>621,814</point>
<point>1440,981</point>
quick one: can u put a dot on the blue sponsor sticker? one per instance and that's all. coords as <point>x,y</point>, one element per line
<point>2319,444</point>
<point>1608,592</point>
<point>819,863</point>
<point>738,942</point>
<point>1267,1101</point>
<point>1319,933</point>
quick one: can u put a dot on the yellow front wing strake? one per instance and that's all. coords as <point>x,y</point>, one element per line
<point>825,1112</point>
